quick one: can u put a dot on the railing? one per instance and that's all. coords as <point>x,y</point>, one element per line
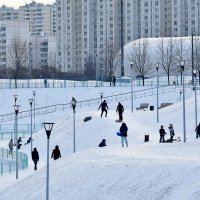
<point>7,130</point>
<point>8,161</point>
<point>121,82</point>
<point>90,102</point>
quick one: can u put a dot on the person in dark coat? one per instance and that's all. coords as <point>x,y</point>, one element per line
<point>197,131</point>
<point>103,143</point>
<point>114,80</point>
<point>123,130</point>
<point>162,134</point>
<point>19,142</point>
<point>56,153</point>
<point>35,157</point>
<point>104,108</point>
<point>120,110</point>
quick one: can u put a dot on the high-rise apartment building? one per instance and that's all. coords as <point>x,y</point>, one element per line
<point>42,18</point>
<point>8,13</point>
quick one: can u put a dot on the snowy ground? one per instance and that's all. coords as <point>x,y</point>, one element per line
<point>149,171</point>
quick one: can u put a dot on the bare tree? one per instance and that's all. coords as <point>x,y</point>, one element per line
<point>167,54</point>
<point>17,56</point>
<point>140,58</point>
<point>197,56</point>
<point>181,54</point>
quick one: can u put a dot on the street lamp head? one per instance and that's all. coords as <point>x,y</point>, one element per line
<point>30,101</point>
<point>131,63</point>
<point>157,66</point>
<point>48,128</point>
<point>101,94</point>
<point>15,97</point>
<point>34,93</point>
<point>16,108</point>
<point>182,64</point>
<point>194,71</point>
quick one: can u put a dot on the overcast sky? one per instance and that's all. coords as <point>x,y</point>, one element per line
<point>17,3</point>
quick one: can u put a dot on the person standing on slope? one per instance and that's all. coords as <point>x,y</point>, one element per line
<point>123,130</point>
<point>197,131</point>
<point>162,134</point>
<point>10,145</point>
<point>120,110</point>
<point>171,131</point>
<point>104,108</point>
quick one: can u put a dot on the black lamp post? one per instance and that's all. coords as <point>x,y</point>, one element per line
<point>195,89</point>
<point>15,98</point>
<point>182,64</point>
<point>157,67</point>
<point>16,108</point>
<point>34,92</point>
<point>101,95</point>
<point>48,128</point>
<point>74,111</point>
<point>31,105</point>
<point>131,63</point>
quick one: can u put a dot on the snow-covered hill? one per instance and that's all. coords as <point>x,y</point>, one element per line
<point>150,171</point>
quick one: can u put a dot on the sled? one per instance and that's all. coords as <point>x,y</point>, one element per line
<point>118,134</point>
<point>87,118</point>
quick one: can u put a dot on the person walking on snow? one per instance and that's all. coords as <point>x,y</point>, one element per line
<point>120,110</point>
<point>10,145</point>
<point>104,108</point>
<point>56,153</point>
<point>162,134</point>
<point>197,131</point>
<point>35,157</point>
<point>123,130</point>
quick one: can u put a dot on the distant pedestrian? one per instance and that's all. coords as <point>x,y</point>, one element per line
<point>123,130</point>
<point>114,80</point>
<point>171,131</point>
<point>162,134</point>
<point>35,158</point>
<point>104,108</point>
<point>73,102</point>
<point>102,143</point>
<point>197,131</point>
<point>10,145</point>
<point>56,153</point>
<point>120,110</point>
<point>45,83</point>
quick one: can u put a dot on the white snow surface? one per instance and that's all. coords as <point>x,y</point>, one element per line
<point>143,171</point>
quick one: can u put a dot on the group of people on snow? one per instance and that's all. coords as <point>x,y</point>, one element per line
<point>35,155</point>
<point>119,109</point>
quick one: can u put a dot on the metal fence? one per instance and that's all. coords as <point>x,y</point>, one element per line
<point>121,82</point>
<point>90,102</point>
<point>7,130</point>
<point>8,161</point>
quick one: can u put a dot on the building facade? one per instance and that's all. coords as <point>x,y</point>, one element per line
<point>10,30</point>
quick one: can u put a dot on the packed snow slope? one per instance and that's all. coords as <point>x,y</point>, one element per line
<point>143,171</point>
